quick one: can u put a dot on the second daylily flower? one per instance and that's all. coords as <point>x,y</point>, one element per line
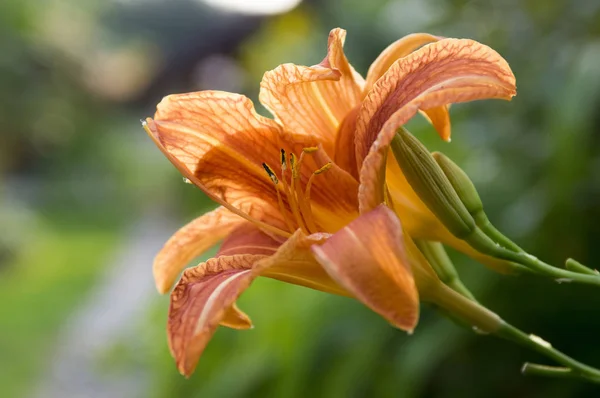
<point>301,196</point>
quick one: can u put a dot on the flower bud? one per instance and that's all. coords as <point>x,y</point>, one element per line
<point>428,180</point>
<point>435,190</point>
<point>466,191</point>
<point>462,184</point>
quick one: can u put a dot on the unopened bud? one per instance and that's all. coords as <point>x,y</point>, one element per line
<point>466,191</point>
<point>462,184</point>
<point>429,182</point>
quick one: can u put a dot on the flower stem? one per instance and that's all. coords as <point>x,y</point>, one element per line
<point>480,241</point>
<point>497,236</point>
<point>484,320</point>
<point>562,275</point>
<point>443,267</point>
<point>571,366</point>
<point>576,266</point>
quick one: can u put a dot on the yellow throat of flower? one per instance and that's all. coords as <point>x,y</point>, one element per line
<point>298,213</point>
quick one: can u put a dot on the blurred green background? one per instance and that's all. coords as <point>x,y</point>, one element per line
<point>86,200</point>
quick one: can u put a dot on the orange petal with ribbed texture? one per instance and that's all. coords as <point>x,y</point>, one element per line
<point>367,257</point>
<point>448,71</point>
<point>398,49</point>
<point>290,261</point>
<point>203,298</point>
<point>294,263</point>
<point>206,294</point>
<point>219,142</point>
<point>345,155</point>
<point>248,239</point>
<point>438,116</point>
<point>191,241</point>
<point>333,198</point>
<point>311,102</point>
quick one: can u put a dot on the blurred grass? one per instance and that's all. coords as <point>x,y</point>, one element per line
<point>38,291</point>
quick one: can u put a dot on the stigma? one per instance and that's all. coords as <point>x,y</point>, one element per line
<point>294,198</point>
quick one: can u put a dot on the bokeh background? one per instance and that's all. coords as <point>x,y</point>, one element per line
<point>86,200</point>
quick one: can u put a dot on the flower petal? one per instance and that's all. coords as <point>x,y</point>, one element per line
<point>439,117</point>
<point>203,298</point>
<point>235,318</point>
<point>248,239</point>
<point>368,258</point>
<point>294,263</point>
<point>448,71</point>
<point>311,102</point>
<point>345,155</point>
<point>333,198</point>
<point>191,241</point>
<point>219,142</point>
<point>398,49</point>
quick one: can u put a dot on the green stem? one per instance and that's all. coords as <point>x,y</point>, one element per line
<point>534,369</point>
<point>435,253</point>
<point>576,368</point>
<point>497,236</point>
<point>485,321</point>
<point>546,269</point>
<point>576,266</point>
<point>480,241</point>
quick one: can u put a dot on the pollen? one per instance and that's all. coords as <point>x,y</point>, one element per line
<point>271,173</point>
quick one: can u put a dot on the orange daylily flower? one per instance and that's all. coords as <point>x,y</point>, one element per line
<point>301,195</point>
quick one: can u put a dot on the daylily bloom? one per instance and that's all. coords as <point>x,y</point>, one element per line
<point>301,195</point>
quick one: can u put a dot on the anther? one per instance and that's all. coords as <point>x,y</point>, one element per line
<point>293,165</point>
<point>270,173</point>
<point>310,149</point>
<point>283,162</point>
<point>323,169</point>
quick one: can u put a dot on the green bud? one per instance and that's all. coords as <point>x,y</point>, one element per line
<point>462,184</point>
<point>435,190</point>
<point>431,184</point>
<point>466,191</point>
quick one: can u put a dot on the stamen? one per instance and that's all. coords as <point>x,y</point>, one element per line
<point>283,160</point>
<point>306,212</point>
<point>322,170</point>
<point>288,191</point>
<point>271,173</point>
<point>297,198</point>
<point>293,165</point>
<point>284,212</point>
<point>292,198</point>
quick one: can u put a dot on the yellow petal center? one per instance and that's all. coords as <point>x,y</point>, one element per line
<point>298,212</point>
